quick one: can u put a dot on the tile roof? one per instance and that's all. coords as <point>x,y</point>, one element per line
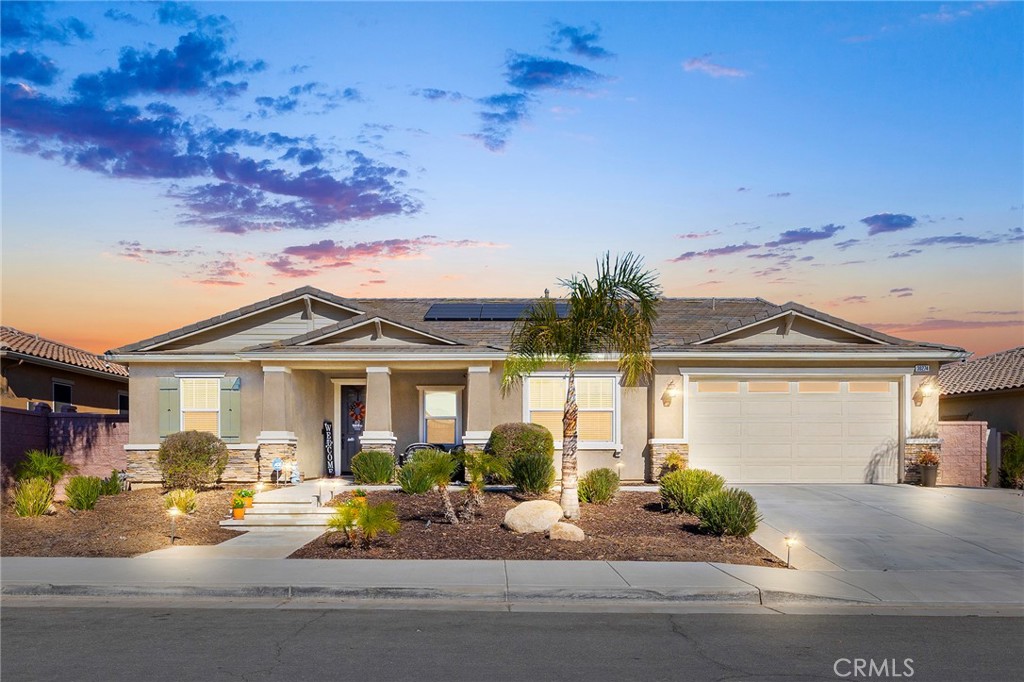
<point>683,323</point>
<point>16,341</point>
<point>990,373</point>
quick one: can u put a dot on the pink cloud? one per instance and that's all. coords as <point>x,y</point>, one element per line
<point>713,253</point>
<point>699,235</point>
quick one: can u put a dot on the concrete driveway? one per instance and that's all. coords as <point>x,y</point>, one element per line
<point>893,527</point>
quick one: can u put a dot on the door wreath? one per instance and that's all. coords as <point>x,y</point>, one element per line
<point>357,412</point>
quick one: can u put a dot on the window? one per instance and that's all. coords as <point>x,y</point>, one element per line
<point>596,400</point>
<point>718,387</point>
<point>441,414</point>
<point>767,387</point>
<point>61,395</point>
<point>122,402</point>
<point>200,405</point>
<point>819,387</point>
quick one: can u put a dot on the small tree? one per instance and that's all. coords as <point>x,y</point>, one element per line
<point>613,313</point>
<point>1011,470</point>
<point>479,466</point>
<point>192,459</point>
<point>42,464</point>
<point>438,467</point>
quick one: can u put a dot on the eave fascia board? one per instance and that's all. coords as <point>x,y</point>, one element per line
<point>367,357</point>
<point>824,355</point>
<point>377,321</point>
<point>78,369</point>
<point>162,358</point>
<point>785,313</point>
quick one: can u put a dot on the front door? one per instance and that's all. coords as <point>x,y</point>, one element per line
<point>353,421</point>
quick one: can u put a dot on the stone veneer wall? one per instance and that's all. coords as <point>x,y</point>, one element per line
<point>658,453</point>
<point>915,447</point>
<point>242,467</point>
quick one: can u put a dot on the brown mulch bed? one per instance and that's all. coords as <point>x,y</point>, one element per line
<point>632,527</point>
<point>120,526</point>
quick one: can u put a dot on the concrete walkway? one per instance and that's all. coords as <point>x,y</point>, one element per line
<point>175,572</point>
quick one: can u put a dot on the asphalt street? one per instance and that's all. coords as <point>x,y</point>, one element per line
<point>64,643</point>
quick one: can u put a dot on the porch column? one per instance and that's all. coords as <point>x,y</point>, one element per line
<point>921,400</point>
<point>276,439</point>
<point>667,400</point>
<point>478,407</point>
<point>378,434</point>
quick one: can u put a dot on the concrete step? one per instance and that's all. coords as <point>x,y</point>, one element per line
<point>281,520</point>
<point>288,509</point>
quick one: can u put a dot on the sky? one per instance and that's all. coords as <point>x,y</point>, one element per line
<point>166,162</point>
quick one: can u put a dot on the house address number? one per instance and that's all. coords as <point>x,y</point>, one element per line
<point>922,369</point>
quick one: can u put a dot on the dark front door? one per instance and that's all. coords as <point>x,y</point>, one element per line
<point>353,421</point>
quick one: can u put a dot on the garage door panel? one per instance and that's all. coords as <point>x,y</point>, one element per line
<point>834,437</point>
<point>808,408</point>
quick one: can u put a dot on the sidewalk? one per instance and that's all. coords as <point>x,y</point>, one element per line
<point>193,574</point>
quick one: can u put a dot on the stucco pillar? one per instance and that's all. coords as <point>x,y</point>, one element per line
<point>923,405</point>
<point>378,434</point>
<point>478,407</point>
<point>667,398</point>
<point>276,439</point>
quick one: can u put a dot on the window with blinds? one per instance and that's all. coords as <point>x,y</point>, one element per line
<point>595,400</point>
<point>441,415</point>
<point>200,404</point>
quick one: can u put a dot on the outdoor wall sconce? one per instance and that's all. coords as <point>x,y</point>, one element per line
<point>926,389</point>
<point>671,391</point>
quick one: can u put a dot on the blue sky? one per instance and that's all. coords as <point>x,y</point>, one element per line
<point>861,158</point>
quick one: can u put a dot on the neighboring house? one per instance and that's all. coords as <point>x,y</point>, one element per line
<point>989,388</point>
<point>755,391</point>
<point>37,370</point>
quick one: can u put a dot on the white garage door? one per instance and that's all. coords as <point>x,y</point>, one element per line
<point>799,431</point>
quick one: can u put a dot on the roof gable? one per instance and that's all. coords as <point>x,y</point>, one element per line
<point>274,319</point>
<point>364,331</point>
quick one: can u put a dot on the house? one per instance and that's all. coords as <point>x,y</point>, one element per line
<point>36,370</point>
<point>989,389</point>
<point>755,391</point>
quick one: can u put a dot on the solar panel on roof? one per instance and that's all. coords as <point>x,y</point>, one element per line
<point>503,311</point>
<point>452,312</point>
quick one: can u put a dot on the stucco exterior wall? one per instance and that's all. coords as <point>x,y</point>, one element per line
<point>405,401</point>
<point>144,398</point>
<point>1003,410</point>
<point>309,394</point>
<point>26,382</point>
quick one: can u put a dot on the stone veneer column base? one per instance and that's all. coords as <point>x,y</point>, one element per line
<point>658,453</point>
<point>378,446</point>
<point>142,466</point>
<point>267,452</point>
<point>914,448</point>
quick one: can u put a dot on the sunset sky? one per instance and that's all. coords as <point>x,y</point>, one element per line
<point>165,162</point>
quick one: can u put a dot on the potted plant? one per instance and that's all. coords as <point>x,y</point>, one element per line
<point>359,496</point>
<point>928,463</point>
<point>247,496</point>
<point>237,508</point>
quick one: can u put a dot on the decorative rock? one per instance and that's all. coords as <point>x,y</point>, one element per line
<point>535,516</point>
<point>566,531</point>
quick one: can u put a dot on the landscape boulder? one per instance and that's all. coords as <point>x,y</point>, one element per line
<point>566,531</point>
<point>535,516</point>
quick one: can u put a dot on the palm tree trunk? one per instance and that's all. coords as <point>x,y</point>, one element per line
<point>449,509</point>
<point>570,499</point>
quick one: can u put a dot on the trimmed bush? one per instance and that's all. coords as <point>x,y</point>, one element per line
<point>599,486</point>
<point>111,485</point>
<point>192,459</point>
<point>367,520</point>
<point>1011,471</point>
<point>183,499</point>
<point>532,472</point>
<point>729,511</point>
<point>513,438</point>
<point>32,496</point>
<point>414,479</point>
<point>680,490</point>
<point>373,467</point>
<point>83,491</point>
<point>42,464</point>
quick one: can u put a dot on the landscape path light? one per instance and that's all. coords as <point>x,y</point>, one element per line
<point>173,512</point>
<point>790,541</point>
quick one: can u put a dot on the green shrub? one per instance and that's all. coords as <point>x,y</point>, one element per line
<point>373,467</point>
<point>673,462</point>
<point>42,464</point>
<point>599,486</point>
<point>32,496</point>
<point>728,511</point>
<point>182,499</point>
<point>1011,470</point>
<point>532,472</point>
<point>414,479</point>
<point>680,490</point>
<point>111,485</point>
<point>192,459</point>
<point>508,440</point>
<point>366,520</point>
<point>83,491</point>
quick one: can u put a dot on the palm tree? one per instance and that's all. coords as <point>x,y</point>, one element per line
<point>612,313</point>
<point>479,467</point>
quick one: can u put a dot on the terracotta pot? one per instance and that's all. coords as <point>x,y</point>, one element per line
<point>929,475</point>
<point>238,514</point>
